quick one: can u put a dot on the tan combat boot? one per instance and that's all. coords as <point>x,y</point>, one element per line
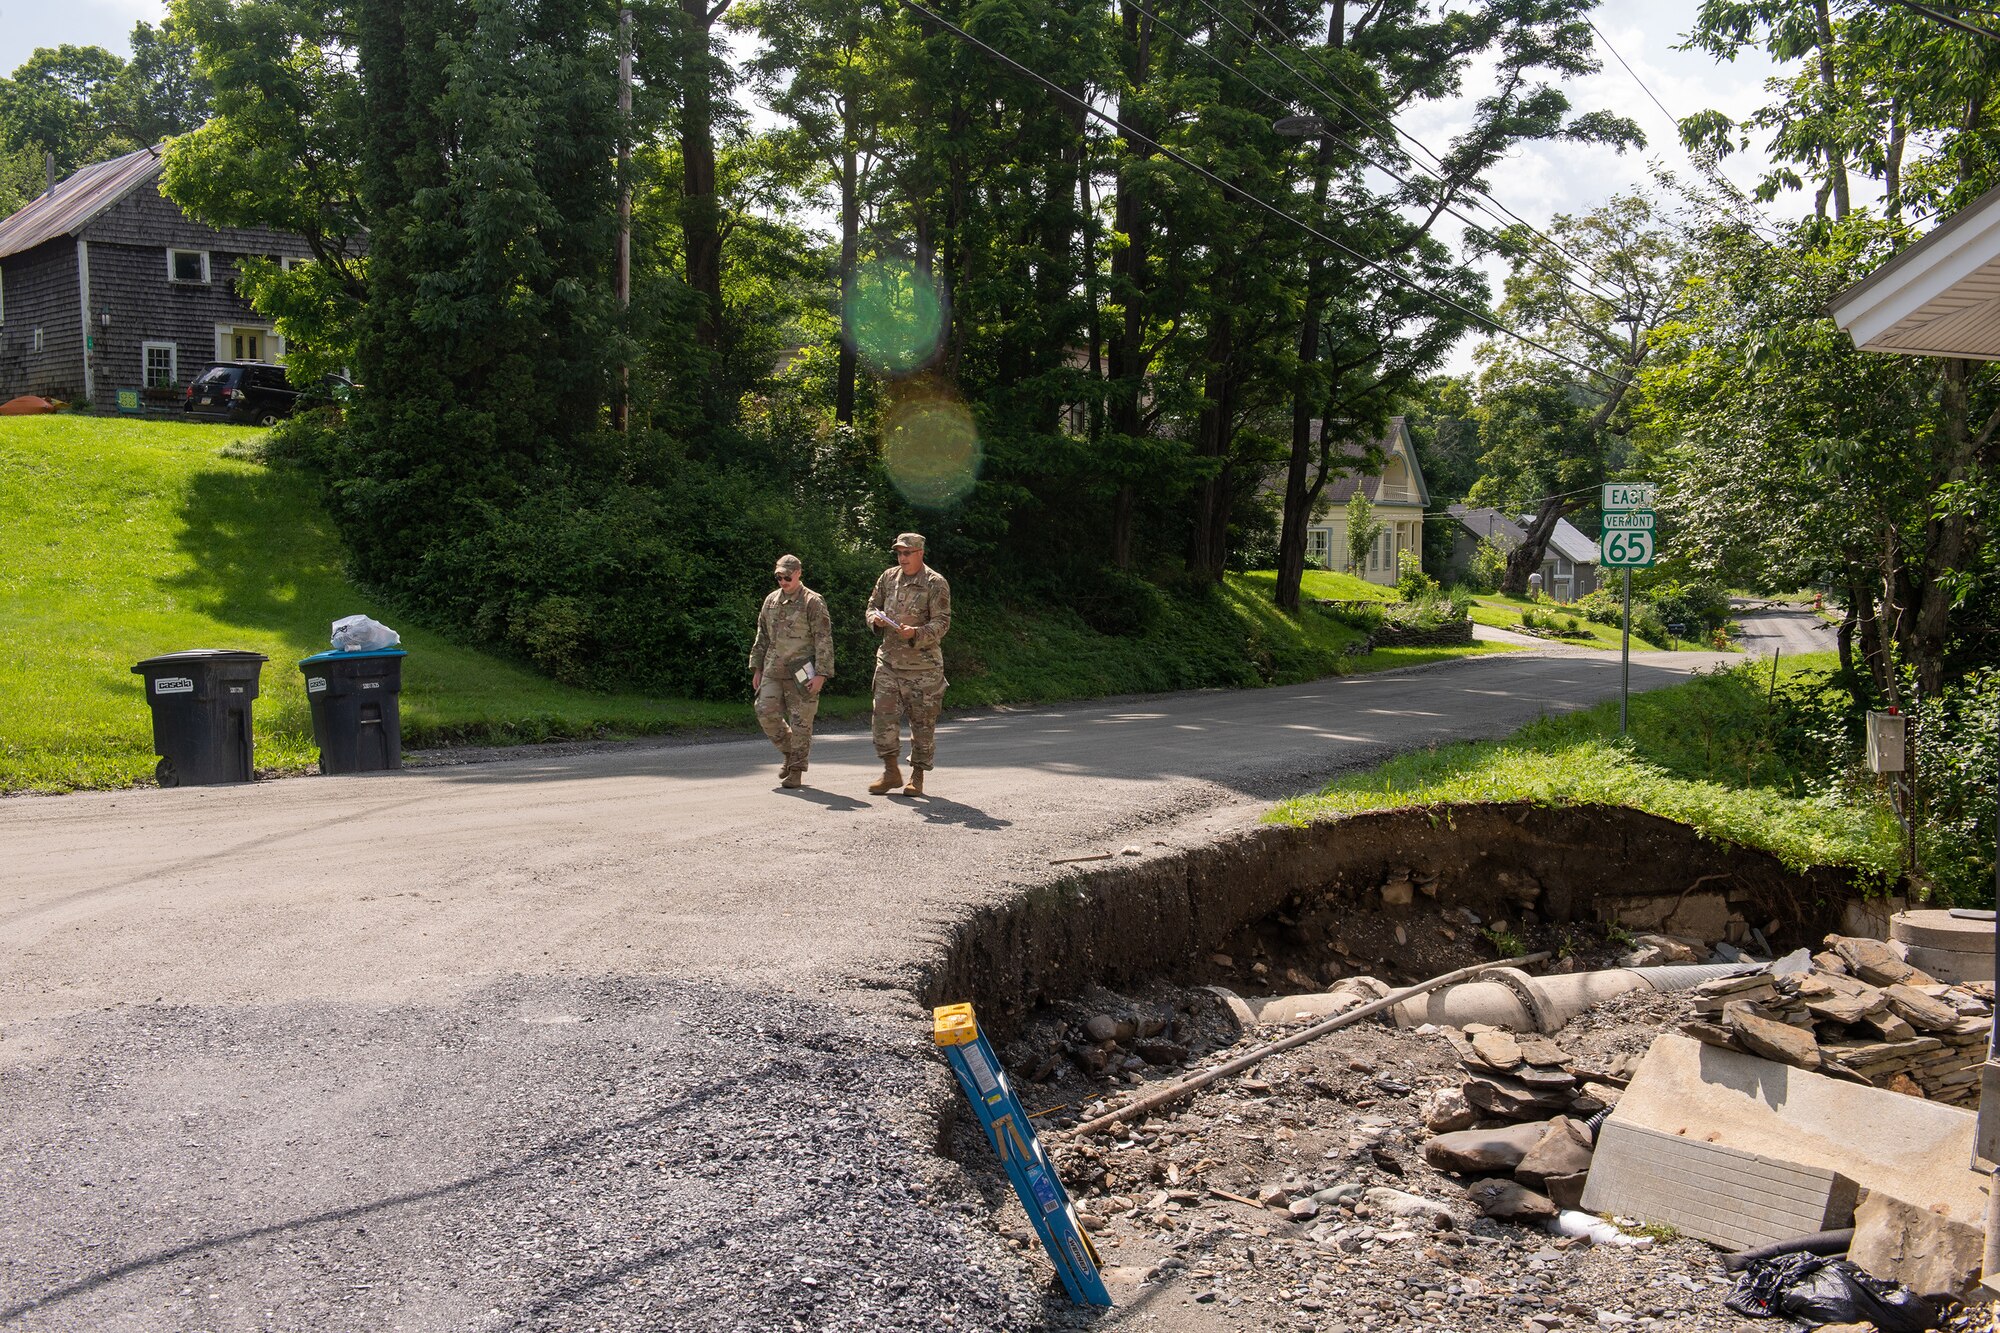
<point>916,787</point>
<point>892,778</point>
<point>790,777</point>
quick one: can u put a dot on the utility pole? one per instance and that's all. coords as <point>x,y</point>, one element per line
<point>621,411</point>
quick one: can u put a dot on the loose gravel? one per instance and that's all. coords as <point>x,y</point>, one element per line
<point>395,1168</point>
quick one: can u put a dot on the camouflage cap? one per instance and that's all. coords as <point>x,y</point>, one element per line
<point>911,540</point>
<point>786,564</point>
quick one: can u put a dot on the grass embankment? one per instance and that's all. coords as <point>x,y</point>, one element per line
<point>1323,585</point>
<point>1498,611</point>
<point>1699,753</point>
<point>126,539</point>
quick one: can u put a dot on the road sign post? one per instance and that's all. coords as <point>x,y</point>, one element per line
<point>1627,543</point>
<point>1625,660</point>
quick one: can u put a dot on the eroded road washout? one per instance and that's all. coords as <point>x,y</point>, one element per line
<point>1097,985</point>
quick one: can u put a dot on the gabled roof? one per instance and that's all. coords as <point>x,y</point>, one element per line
<point>1566,540</point>
<point>69,207</point>
<point>1342,488</point>
<point>1939,297</point>
<point>1570,541</point>
<point>1483,523</point>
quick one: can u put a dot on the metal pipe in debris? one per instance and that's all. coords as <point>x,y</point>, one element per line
<point>1174,1092</point>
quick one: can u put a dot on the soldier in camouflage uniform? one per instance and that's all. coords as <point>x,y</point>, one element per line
<point>911,609</point>
<point>790,662</point>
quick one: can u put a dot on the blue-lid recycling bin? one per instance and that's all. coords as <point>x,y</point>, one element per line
<point>356,709</point>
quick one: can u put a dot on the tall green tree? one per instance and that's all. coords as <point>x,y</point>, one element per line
<point>65,102</point>
<point>490,132</point>
<point>281,147</point>
<point>1795,459</point>
<point>1589,291</point>
<point>1400,56</point>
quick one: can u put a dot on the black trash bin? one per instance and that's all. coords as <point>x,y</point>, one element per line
<point>201,715</point>
<point>356,709</point>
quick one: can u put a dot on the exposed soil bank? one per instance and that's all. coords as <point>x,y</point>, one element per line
<point>1516,866</point>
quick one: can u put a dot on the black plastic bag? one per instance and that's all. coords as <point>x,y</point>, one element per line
<point>1818,1289</point>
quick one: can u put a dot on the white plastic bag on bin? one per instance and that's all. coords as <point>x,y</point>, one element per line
<point>359,634</point>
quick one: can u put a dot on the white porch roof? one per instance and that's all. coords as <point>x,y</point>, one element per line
<point>1940,297</point>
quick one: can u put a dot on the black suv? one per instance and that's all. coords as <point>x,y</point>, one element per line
<point>256,391</point>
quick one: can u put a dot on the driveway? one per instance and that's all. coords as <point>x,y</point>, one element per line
<point>613,1040</point>
<point>1768,628</point>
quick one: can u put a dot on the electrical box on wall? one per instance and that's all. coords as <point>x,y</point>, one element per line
<point>1885,742</point>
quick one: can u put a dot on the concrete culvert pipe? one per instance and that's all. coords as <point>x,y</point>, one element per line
<point>1503,997</point>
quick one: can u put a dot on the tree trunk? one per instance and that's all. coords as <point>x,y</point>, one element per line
<point>1836,161</point>
<point>850,244</point>
<point>1526,558</point>
<point>1128,361</point>
<point>1297,514</point>
<point>701,211</point>
<point>1892,166</point>
<point>1948,542</point>
<point>1213,433</point>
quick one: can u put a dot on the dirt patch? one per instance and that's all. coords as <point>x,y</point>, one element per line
<point>1096,984</point>
<point>1173,1204</point>
<point>1514,874</point>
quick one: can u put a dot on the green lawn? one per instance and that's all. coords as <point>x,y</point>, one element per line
<point>1697,753</point>
<point>128,539</point>
<point>1324,585</point>
<point>1498,611</point>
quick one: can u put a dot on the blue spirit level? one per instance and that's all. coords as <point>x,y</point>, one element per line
<point>1013,1137</point>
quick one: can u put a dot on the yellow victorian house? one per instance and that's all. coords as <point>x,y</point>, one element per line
<point>1400,498</point>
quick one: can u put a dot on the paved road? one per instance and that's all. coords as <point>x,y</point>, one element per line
<point>610,1040</point>
<point>1768,629</point>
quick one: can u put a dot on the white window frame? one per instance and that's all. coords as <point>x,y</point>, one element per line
<point>173,351</point>
<point>187,282</point>
<point>1319,547</point>
<point>37,341</point>
<point>225,348</point>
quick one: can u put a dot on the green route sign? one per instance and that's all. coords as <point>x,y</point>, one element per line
<point>1630,495</point>
<point>1627,550</point>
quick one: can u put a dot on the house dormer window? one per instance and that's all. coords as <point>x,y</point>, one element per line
<point>187,266</point>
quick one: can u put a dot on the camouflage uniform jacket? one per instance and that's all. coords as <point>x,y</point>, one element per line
<point>793,629</point>
<point>922,600</point>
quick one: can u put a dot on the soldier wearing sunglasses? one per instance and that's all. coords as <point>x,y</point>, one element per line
<point>789,664</point>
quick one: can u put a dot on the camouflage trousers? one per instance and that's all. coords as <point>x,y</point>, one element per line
<point>916,695</point>
<point>785,710</point>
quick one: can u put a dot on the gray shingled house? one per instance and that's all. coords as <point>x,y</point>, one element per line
<point>105,285</point>
<point>1569,565</point>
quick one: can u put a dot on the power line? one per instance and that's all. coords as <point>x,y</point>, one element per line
<point>1139,136</point>
<point>1279,102</point>
<point>1710,168</point>
<point>1479,198</point>
<point>1948,20</point>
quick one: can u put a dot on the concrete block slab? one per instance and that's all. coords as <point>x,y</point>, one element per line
<point>1711,1192</point>
<point>1916,1150</point>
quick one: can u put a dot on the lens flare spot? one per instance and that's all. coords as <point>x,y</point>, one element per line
<point>897,315</point>
<point>930,449</point>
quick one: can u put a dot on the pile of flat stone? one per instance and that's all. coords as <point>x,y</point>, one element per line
<point>1859,1011</point>
<point>1517,1122</point>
